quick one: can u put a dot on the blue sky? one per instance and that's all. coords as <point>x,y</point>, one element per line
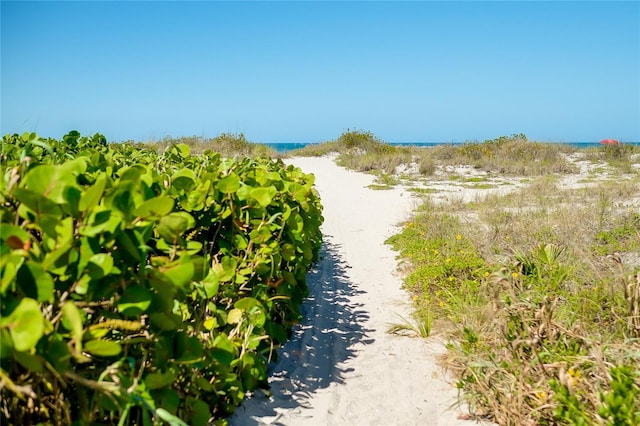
<point>307,71</point>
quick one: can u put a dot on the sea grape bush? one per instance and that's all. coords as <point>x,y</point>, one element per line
<point>140,287</point>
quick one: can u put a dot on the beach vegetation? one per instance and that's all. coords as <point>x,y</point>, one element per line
<point>142,286</point>
<point>229,145</point>
<point>418,327</point>
<point>538,293</point>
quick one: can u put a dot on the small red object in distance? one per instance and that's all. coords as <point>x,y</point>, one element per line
<point>609,142</point>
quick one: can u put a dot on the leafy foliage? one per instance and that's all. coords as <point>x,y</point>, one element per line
<point>139,287</point>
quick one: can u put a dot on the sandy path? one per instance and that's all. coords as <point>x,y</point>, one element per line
<point>341,367</point>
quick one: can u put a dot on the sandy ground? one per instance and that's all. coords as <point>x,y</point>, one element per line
<point>341,367</point>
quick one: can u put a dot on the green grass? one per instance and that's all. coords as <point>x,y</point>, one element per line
<point>227,144</point>
<point>531,290</point>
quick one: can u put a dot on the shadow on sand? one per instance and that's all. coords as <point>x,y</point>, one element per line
<point>324,339</point>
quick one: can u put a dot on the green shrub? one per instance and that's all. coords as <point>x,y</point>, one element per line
<point>139,287</point>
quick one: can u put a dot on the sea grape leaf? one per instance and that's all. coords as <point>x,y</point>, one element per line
<point>102,348</point>
<point>6,345</point>
<point>254,309</point>
<point>10,264</point>
<point>7,231</point>
<point>57,261</point>
<point>131,173</point>
<point>226,270</point>
<point>30,362</point>
<point>135,300</point>
<point>127,240</point>
<point>100,222</point>
<point>159,380</point>
<point>64,231</point>
<point>57,352</point>
<point>263,195</point>
<point>229,184</point>
<point>183,150</point>
<point>26,325</point>
<point>223,349</point>
<point>50,181</point>
<point>35,282</point>
<point>37,203</point>
<point>199,412</point>
<point>72,320</point>
<point>184,180</point>
<point>211,284</point>
<point>288,252</point>
<point>92,195</point>
<point>180,272</point>
<point>194,247</point>
<point>164,321</point>
<point>172,226</point>
<point>123,200</point>
<point>188,349</point>
<point>210,323</point>
<point>155,207</point>
<point>234,316</point>
<point>274,176</point>
<point>100,265</point>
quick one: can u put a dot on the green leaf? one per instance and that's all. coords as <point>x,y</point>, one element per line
<point>128,241</point>
<point>102,347</point>
<point>37,203</point>
<point>134,301</point>
<point>188,349</point>
<point>235,316</point>
<point>30,362</point>
<point>172,226</point>
<point>211,284</point>
<point>50,181</point>
<point>184,180</point>
<point>263,195</point>
<point>199,412</point>
<point>229,184</point>
<point>6,345</point>
<point>72,320</point>
<point>223,349</point>
<point>100,265</point>
<point>159,380</point>
<point>26,325</point>
<point>10,264</point>
<point>179,272</point>
<point>183,150</point>
<point>226,270</point>
<point>288,252</point>
<point>92,195</point>
<point>169,418</point>
<point>155,207</point>
<point>35,282</point>
<point>254,309</point>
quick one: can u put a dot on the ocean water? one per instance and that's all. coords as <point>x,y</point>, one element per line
<point>290,146</point>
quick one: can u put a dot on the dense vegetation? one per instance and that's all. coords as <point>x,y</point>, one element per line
<point>228,145</point>
<point>140,285</point>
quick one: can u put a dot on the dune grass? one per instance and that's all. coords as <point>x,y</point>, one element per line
<point>506,155</point>
<point>539,294</point>
<point>229,145</point>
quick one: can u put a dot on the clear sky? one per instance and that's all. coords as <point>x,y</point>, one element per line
<point>307,71</point>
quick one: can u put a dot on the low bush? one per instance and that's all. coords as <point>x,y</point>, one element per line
<point>139,287</point>
<point>538,293</point>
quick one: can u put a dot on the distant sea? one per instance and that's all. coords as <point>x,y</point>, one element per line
<point>290,146</point>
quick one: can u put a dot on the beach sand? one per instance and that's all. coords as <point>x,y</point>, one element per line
<point>341,367</point>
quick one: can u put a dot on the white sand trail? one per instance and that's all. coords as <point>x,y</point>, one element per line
<point>341,367</point>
